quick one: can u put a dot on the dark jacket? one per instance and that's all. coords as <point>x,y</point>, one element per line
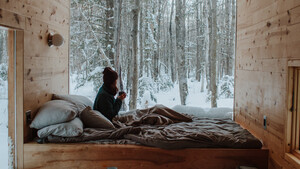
<point>106,103</point>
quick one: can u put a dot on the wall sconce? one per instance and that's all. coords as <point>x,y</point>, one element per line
<point>56,40</point>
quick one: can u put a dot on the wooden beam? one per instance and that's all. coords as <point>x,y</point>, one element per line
<point>15,94</point>
<point>11,93</point>
<point>20,118</point>
<point>12,20</point>
<point>294,63</point>
<point>141,157</point>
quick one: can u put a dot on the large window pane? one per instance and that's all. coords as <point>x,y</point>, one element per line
<point>188,60</point>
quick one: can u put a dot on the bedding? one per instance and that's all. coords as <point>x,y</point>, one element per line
<point>54,112</point>
<point>163,127</point>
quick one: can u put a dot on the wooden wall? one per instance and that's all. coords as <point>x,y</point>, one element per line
<point>268,36</point>
<point>45,68</point>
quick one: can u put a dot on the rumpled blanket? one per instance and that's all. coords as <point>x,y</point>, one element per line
<point>163,127</point>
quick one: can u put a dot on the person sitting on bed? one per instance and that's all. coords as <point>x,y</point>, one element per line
<point>105,101</point>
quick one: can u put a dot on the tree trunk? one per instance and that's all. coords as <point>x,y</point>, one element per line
<point>2,39</point>
<point>141,66</point>
<point>210,39</point>
<point>203,42</point>
<point>172,52</point>
<point>232,37</point>
<point>129,63</point>
<point>202,81</point>
<point>117,48</point>
<point>109,29</point>
<point>198,67</point>
<point>227,37</point>
<point>213,80</point>
<point>180,49</point>
<point>117,38</point>
<point>135,76</point>
<point>157,52</point>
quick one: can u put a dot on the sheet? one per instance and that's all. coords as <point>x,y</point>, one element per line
<point>163,127</point>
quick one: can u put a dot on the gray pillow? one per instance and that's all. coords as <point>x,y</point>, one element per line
<point>94,119</point>
<point>69,129</point>
<point>80,101</point>
<point>54,112</point>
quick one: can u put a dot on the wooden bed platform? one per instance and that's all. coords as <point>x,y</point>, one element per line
<point>102,156</point>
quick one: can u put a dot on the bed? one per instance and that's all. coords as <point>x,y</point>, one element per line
<point>158,137</point>
<point>100,156</point>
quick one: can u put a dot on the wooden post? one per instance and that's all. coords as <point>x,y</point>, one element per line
<point>15,96</point>
<point>20,118</point>
<point>11,93</point>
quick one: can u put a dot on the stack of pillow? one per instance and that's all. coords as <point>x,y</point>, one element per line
<point>66,116</point>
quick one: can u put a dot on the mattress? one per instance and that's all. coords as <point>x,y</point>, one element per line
<point>165,128</point>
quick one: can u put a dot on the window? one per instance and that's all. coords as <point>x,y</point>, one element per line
<point>293,115</point>
<point>102,34</point>
<point>11,86</point>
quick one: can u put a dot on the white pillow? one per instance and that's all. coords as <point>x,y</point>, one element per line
<point>69,129</point>
<point>80,101</point>
<point>196,111</point>
<point>54,112</point>
<point>219,112</point>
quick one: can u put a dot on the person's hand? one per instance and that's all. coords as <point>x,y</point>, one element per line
<point>122,96</point>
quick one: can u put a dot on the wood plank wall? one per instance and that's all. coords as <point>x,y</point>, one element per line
<point>45,68</point>
<point>268,35</point>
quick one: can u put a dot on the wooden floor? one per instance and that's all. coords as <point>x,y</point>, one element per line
<point>92,156</point>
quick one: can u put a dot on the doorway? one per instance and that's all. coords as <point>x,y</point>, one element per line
<point>11,97</point>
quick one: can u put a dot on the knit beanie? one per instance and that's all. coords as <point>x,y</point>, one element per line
<point>109,76</point>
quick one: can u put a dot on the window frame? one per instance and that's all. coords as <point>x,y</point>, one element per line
<point>292,125</point>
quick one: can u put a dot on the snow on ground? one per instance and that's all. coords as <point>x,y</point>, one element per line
<point>168,98</point>
<point>3,147</point>
<point>195,97</point>
<point>3,134</point>
<point>3,127</point>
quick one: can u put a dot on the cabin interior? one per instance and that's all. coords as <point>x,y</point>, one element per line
<point>266,86</point>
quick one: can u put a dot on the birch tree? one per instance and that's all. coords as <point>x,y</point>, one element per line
<point>117,39</point>
<point>157,38</point>
<point>109,37</point>
<point>172,48</point>
<point>133,93</point>
<point>141,42</point>
<point>232,36</point>
<point>213,53</point>
<point>198,62</point>
<point>180,49</point>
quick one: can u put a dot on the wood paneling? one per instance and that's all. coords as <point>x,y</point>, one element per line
<point>268,37</point>
<point>138,157</point>
<point>44,70</point>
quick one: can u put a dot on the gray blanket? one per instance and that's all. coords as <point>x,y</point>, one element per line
<point>162,127</point>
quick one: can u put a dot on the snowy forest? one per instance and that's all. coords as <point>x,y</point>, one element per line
<point>154,45</point>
